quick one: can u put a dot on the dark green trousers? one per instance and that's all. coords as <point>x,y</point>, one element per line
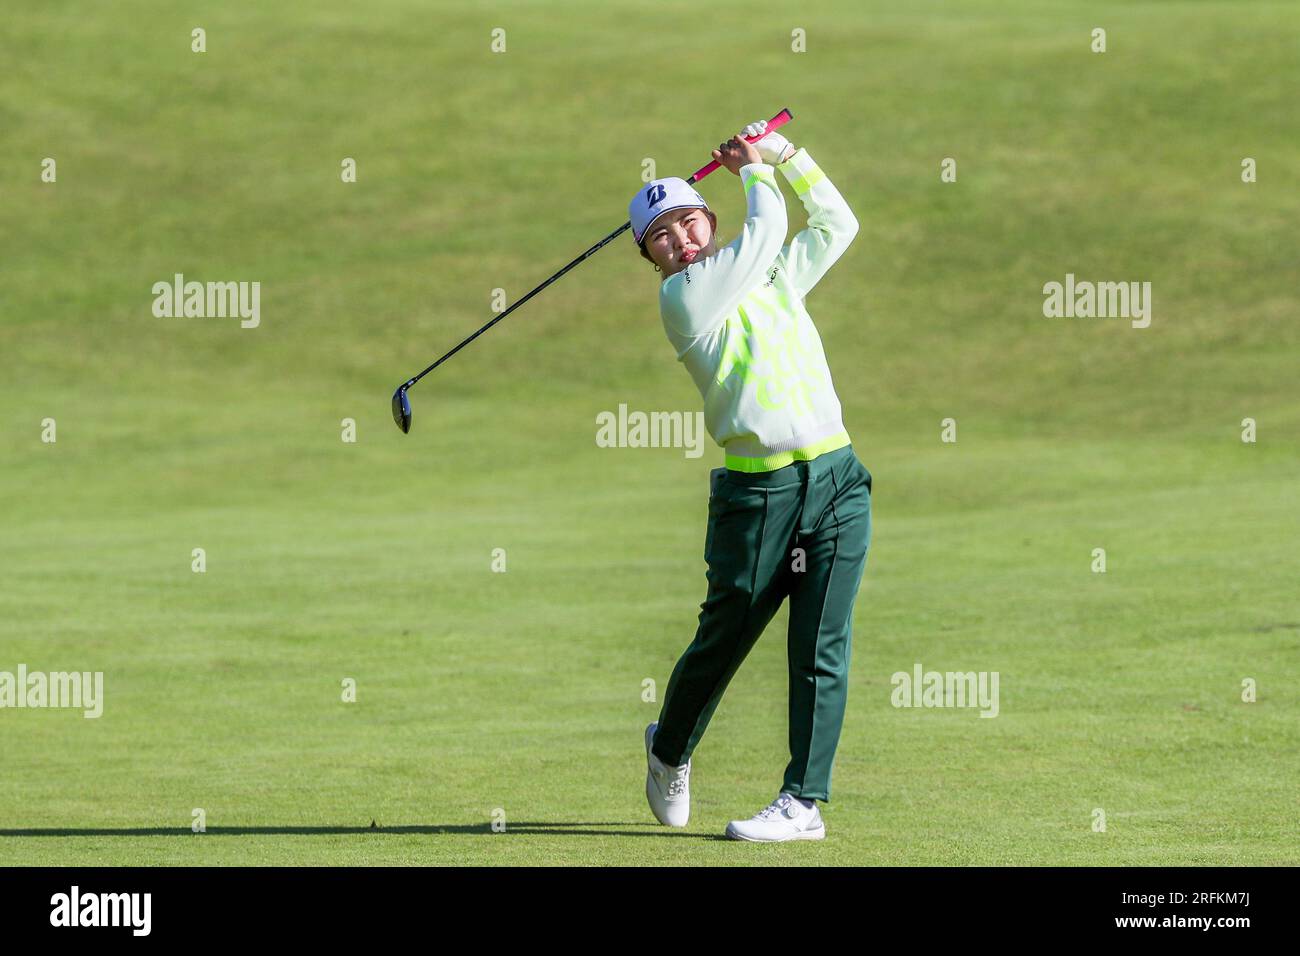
<point>800,531</point>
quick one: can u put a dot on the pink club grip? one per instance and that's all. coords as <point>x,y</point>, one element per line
<point>779,120</point>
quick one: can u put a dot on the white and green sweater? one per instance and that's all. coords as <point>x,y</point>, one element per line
<point>738,323</point>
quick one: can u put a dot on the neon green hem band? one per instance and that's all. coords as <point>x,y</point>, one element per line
<point>781,459</point>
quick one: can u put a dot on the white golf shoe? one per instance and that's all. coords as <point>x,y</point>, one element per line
<point>785,818</point>
<point>667,788</point>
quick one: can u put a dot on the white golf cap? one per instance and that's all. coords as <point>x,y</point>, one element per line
<point>656,198</point>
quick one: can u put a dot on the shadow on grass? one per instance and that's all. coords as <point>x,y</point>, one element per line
<point>557,829</point>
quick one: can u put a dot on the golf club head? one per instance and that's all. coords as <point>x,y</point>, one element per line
<point>402,409</point>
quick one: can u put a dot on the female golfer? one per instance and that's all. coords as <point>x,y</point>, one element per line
<point>790,514</point>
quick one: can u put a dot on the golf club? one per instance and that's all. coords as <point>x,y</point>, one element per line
<point>402,402</point>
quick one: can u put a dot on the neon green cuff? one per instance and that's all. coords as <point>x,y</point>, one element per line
<point>763,176</point>
<point>802,172</point>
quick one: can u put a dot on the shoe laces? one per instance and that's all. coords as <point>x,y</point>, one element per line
<point>679,781</point>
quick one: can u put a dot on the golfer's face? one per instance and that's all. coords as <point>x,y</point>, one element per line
<point>678,238</point>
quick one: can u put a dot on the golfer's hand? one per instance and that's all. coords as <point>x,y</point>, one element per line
<point>773,147</point>
<point>735,153</point>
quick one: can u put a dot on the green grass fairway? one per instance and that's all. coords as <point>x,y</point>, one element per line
<point>519,694</point>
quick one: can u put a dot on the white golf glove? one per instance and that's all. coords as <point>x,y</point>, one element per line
<point>774,148</point>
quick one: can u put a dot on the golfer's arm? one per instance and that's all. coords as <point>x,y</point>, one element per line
<point>831,223</point>
<point>700,297</point>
